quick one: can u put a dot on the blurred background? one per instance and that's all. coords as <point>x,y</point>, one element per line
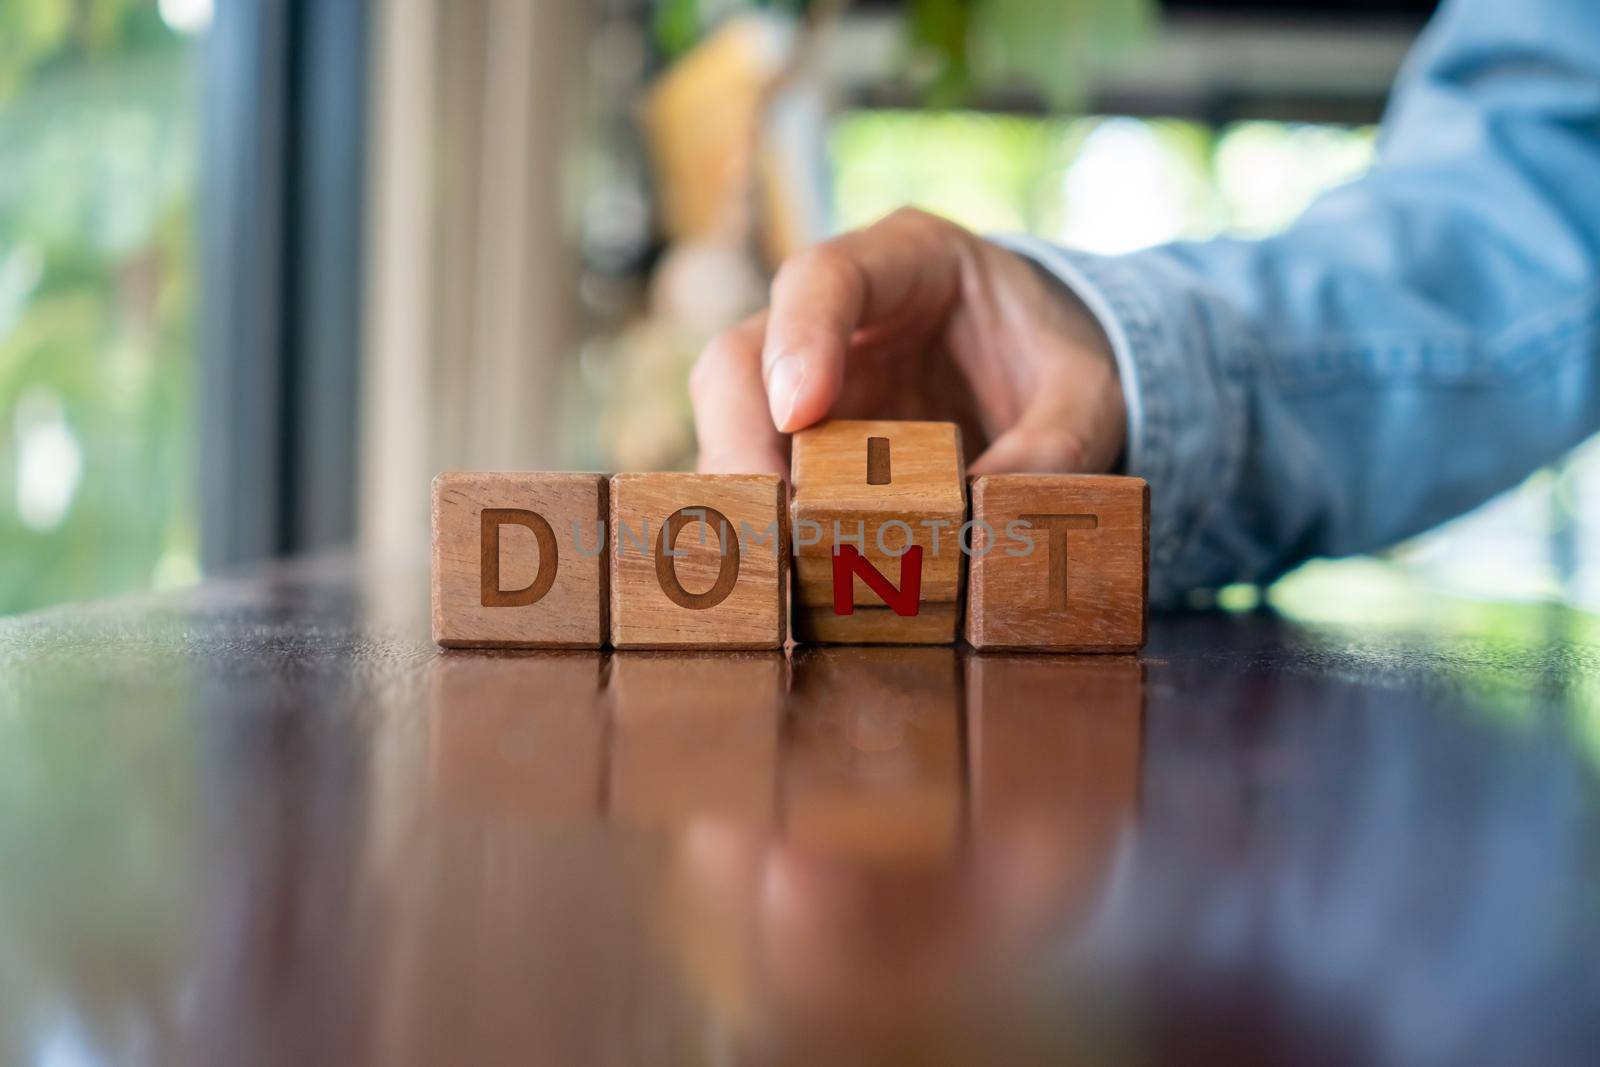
<point>268,265</point>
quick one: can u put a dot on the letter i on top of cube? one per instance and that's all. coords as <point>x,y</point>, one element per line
<point>876,519</point>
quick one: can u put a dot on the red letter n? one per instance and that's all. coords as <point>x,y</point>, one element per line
<point>847,563</point>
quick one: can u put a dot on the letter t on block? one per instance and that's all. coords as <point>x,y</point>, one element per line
<point>1059,563</point>
<point>519,560</point>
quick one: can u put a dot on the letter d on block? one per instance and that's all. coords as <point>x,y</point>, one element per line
<point>490,521</point>
<point>480,565</point>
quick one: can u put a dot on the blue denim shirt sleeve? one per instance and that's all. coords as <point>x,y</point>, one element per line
<point>1420,340</point>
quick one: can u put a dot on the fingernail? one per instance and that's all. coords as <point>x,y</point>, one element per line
<point>783,388</point>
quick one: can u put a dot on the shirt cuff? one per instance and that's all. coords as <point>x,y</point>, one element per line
<point>1186,414</point>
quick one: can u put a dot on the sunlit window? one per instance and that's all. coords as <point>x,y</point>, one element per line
<point>1108,185</point>
<point>1267,173</point>
<point>1133,184</point>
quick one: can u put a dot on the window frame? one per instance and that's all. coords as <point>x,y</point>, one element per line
<point>283,145</point>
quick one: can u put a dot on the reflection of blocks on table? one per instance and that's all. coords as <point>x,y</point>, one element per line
<point>1055,741</point>
<point>516,736</point>
<point>890,496</point>
<point>1055,750</point>
<point>872,759</point>
<point>519,560</point>
<point>1059,563</point>
<point>694,736</point>
<point>698,561</point>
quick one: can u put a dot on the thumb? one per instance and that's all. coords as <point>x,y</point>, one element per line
<point>817,300</point>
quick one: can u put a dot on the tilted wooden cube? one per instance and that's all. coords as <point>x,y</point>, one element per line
<point>1059,563</point>
<point>519,560</point>
<point>698,561</point>
<point>891,498</point>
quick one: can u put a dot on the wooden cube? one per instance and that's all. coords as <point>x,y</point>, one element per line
<point>519,560</point>
<point>887,497</point>
<point>1058,563</point>
<point>698,561</point>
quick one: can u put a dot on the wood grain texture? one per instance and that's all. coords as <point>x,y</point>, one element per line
<point>226,827</point>
<point>475,606</point>
<point>694,737</point>
<point>515,736</point>
<point>869,477</point>
<point>873,765</point>
<point>701,597</point>
<point>1082,586</point>
<point>1055,759</point>
<point>1055,740</point>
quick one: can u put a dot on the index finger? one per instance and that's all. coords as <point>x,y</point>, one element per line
<point>823,295</point>
<point>735,432</point>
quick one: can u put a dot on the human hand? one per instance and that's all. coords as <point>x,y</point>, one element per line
<point>914,317</point>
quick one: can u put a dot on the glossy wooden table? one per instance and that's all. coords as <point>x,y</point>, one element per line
<point>266,822</point>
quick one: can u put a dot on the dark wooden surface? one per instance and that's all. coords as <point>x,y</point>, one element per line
<point>266,822</point>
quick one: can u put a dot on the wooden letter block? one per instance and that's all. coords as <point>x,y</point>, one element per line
<point>1058,563</point>
<point>888,499</point>
<point>698,561</point>
<point>519,560</point>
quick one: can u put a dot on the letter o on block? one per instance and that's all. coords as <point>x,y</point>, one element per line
<point>698,561</point>
<point>727,568</point>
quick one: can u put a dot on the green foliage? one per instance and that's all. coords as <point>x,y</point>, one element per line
<point>678,25</point>
<point>939,32</point>
<point>992,173</point>
<point>96,292</point>
<point>1048,45</point>
<point>36,35</point>
<point>1044,46</point>
<point>960,47</point>
<point>30,33</point>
